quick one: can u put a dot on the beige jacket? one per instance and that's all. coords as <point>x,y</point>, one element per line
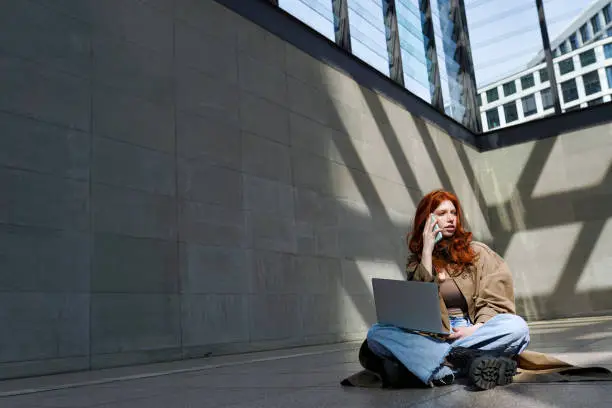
<point>487,285</point>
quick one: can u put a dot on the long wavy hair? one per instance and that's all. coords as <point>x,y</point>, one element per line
<point>453,254</point>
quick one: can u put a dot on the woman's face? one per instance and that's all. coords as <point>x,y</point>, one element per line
<point>446,213</point>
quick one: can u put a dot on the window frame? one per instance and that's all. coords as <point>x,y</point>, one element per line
<point>563,91</point>
<point>496,110</point>
<point>584,33</point>
<point>594,75</point>
<point>561,64</point>
<point>513,105</point>
<point>527,113</point>
<point>547,91</point>
<point>573,41</point>
<point>595,23</point>
<point>496,95</point>
<point>513,83</point>
<point>527,77</point>
<point>591,53</point>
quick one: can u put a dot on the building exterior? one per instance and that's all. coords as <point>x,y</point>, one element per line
<point>583,68</point>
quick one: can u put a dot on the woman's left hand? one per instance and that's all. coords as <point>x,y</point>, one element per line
<point>461,332</point>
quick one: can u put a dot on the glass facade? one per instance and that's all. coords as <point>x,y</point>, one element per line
<point>367,29</point>
<point>415,62</point>
<point>547,100</point>
<point>509,88</point>
<point>591,83</point>
<point>317,14</point>
<point>585,34</point>
<point>573,42</point>
<point>457,59</point>
<point>426,47</point>
<point>529,105</point>
<point>527,81</point>
<point>595,24</point>
<point>588,58</point>
<point>566,66</point>
<point>492,95</point>
<point>569,90</point>
<point>510,112</point>
<point>493,118</point>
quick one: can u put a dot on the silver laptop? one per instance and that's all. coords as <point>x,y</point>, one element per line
<point>410,305</point>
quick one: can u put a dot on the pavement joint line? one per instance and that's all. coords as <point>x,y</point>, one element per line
<point>27,391</point>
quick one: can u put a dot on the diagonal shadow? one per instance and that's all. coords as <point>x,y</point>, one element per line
<point>396,150</point>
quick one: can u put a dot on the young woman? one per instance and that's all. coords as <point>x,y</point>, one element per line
<point>476,299</point>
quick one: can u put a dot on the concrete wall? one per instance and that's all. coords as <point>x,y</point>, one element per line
<point>176,181</point>
<point>549,203</point>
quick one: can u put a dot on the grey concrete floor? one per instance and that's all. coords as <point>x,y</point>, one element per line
<point>309,377</point>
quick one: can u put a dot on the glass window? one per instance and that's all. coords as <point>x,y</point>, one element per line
<point>479,99</point>
<point>543,75</point>
<point>556,52</point>
<point>607,12</point>
<point>588,58</point>
<point>492,95</point>
<point>527,81</point>
<point>591,83</point>
<point>547,100</point>
<point>369,41</point>
<point>609,75</point>
<point>510,112</point>
<point>563,47</point>
<point>573,108</point>
<point>509,88</point>
<point>595,23</point>
<point>529,105</point>
<point>594,102</point>
<point>569,90</point>
<point>608,50</point>
<point>585,34</point>
<point>566,66</point>
<point>492,118</point>
<point>573,41</point>
<point>609,32</point>
<point>318,15</point>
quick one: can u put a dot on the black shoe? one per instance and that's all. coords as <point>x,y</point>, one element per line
<point>484,369</point>
<point>488,372</point>
<point>396,375</point>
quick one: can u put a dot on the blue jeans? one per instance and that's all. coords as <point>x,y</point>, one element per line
<point>504,334</point>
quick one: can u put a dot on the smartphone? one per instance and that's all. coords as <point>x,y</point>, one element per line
<point>437,227</point>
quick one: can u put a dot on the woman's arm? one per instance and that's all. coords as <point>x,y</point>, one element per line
<point>417,272</point>
<point>422,271</point>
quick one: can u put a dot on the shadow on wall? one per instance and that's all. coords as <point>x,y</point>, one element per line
<point>527,225</point>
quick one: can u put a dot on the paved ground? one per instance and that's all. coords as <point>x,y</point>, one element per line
<point>309,377</point>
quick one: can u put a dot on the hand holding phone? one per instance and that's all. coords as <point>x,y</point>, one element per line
<point>436,228</point>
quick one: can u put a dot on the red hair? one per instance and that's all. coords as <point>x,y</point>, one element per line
<point>452,254</point>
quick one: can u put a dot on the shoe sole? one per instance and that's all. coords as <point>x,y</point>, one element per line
<point>489,372</point>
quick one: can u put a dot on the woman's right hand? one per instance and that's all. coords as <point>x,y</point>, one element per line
<point>429,241</point>
<point>429,235</point>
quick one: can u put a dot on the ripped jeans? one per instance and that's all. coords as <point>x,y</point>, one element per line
<point>505,334</point>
